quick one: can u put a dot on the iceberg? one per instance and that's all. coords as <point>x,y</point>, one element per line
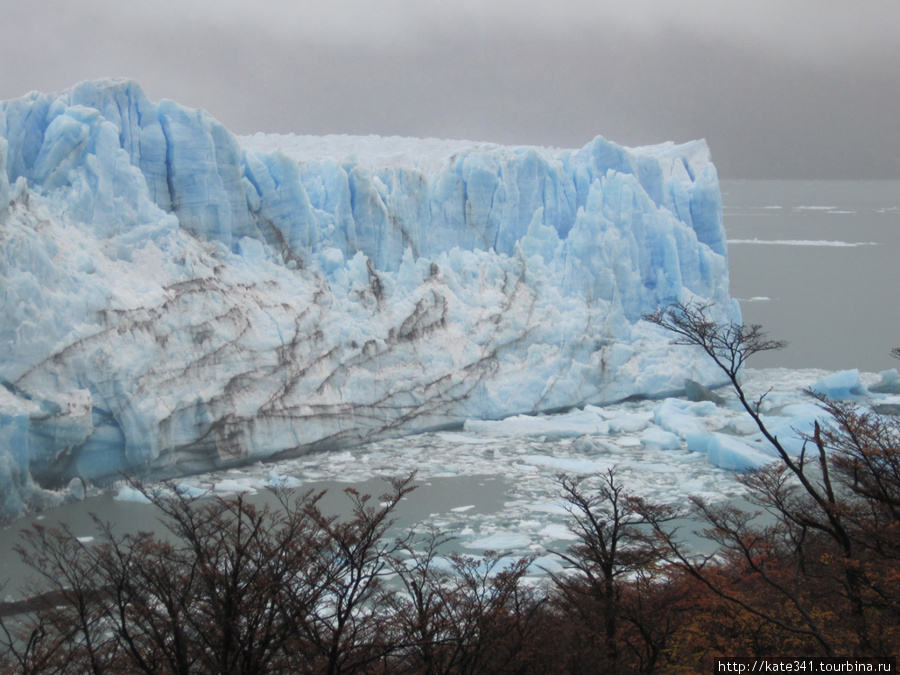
<point>840,386</point>
<point>176,298</point>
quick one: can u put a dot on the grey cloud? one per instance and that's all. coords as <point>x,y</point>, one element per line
<point>792,93</point>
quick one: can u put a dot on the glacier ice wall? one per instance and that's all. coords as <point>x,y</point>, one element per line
<point>174,298</point>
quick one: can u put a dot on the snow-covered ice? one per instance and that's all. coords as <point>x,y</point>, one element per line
<point>176,298</point>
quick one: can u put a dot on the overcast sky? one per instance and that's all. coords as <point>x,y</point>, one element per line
<point>780,88</point>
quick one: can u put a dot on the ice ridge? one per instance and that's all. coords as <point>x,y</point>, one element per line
<point>176,298</point>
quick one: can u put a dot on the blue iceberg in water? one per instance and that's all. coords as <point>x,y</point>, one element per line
<point>175,298</point>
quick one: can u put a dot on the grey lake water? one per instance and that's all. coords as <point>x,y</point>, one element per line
<point>814,262</point>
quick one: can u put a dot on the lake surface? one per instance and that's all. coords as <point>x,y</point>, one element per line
<point>816,263</point>
<point>813,262</point>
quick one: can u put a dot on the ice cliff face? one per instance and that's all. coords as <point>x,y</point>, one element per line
<point>174,298</point>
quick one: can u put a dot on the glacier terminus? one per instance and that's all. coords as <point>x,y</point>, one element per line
<point>175,298</point>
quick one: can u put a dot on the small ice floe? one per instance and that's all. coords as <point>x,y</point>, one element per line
<point>127,493</point>
<point>188,490</point>
<point>629,423</point>
<point>727,452</point>
<point>682,417</point>
<point>802,242</point>
<point>566,425</point>
<point>275,479</point>
<point>558,531</point>
<point>463,509</point>
<point>502,541</point>
<point>237,486</point>
<point>665,440</point>
<point>581,467</point>
<point>889,383</point>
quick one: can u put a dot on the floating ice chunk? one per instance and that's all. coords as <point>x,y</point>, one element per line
<point>554,507</point>
<point>528,525</point>
<point>237,485</point>
<point>467,439</point>
<point>76,489</point>
<point>840,386</point>
<point>189,490</point>
<point>277,480</point>
<point>693,486</point>
<point>545,564</point>
<point>802,242</point>
<point>742,425</point>
<point>587,445</point>
<point>727,452</point>
<point>445,470</point>
<point>790,430</point>
<point>629,423</point>
<point>567,425</point>
<point>127,493</point>
<point>557,531</point>
<point>889,383</point>
<point>660,438</point>
<point>580,467</point>
<point>502,541</point>
<point>463,509</point>
<point>683,417</point>
<point>694,391</point>
<point>799,410</point>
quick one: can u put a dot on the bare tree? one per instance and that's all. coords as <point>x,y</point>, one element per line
<point>615,563</point>
<point>235,587</point>
<point>818,517</point>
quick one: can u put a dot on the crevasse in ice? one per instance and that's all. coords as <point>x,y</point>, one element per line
<point>175,298</point>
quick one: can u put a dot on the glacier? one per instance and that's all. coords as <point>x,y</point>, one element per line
<point>175,298</point>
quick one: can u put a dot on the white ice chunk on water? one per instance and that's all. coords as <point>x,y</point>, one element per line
<point>628,423</point>
<point>237,485</point>
<point>727,452</point>
<point>463,509</point>
<point>693,486</point>
<point>189,490</point>
<point>572,466</point>
<point>661,438</point>
<point>499,542</point>
<point>559,531</point>
<point>127,493</point>
<point>277,480</point>
<point>569,425</point>
<point>546,564</point>
<point>682,417</point>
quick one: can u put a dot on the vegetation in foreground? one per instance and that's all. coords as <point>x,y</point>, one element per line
<point>240,588</point>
